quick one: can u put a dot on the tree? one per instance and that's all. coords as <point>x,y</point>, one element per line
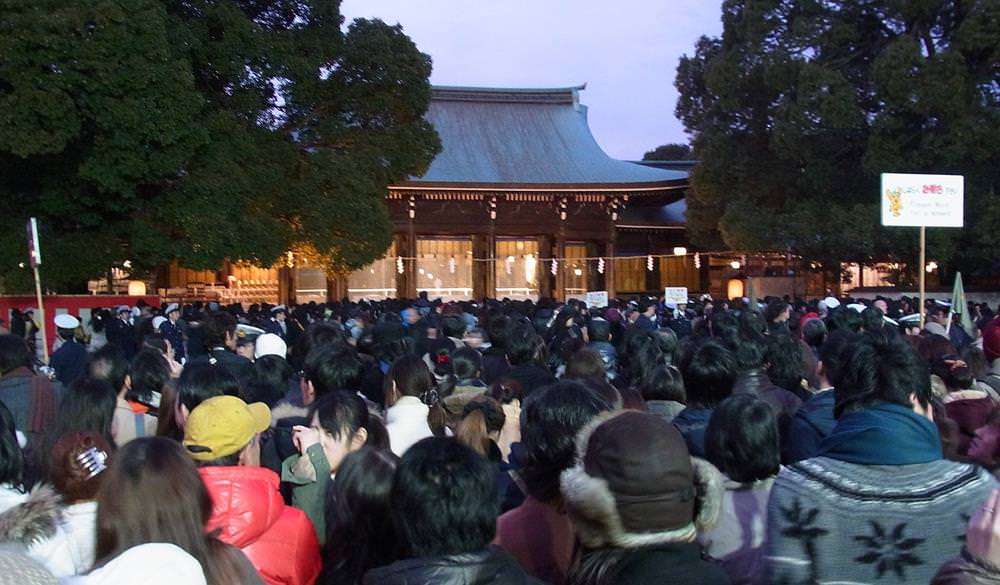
<point>799,106</point>
<point>198,130</point>
<point>670,152</point>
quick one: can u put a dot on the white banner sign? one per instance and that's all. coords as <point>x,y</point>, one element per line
<point>923,200</point>
<point>597,299</point>
<point>675,295</point>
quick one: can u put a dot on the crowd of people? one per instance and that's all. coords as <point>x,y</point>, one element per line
<point>506,442</point>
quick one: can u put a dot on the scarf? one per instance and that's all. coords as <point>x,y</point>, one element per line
<point>885,434</point>
<point>42,399</point>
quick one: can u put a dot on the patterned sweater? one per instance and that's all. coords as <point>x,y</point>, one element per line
<point>830,521</point>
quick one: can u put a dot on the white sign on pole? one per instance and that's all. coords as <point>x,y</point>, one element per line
<point>675,295</point>
<point>923,200</point>
<point>34,250</point>
<point>597,299</point>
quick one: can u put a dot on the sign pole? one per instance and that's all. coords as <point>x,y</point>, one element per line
<point>923,272</point>
<point>41,310</point>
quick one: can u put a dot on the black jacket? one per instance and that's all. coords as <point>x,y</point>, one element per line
<point>531,377</point>
<point>670,563</point>
<point>491,566</point>
<point>237,365</point>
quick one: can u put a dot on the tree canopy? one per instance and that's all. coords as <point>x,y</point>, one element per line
<point>198,130</point>
<point>671,151</point>
<point>800,106</point>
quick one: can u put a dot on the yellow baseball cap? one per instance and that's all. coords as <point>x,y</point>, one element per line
<point>223,425</point>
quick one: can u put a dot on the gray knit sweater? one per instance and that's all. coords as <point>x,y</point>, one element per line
<point>830,521</point>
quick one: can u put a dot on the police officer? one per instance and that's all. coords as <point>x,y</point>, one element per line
<point>70,360</point>
<point>277,324</point>
<point>171,330</point>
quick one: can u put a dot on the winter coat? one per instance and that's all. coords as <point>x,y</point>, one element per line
<point>669,563</point>
<point>810,425</point>
<point>279,540</point>
<point>406,421</point>
<point>692,422</point>
<point>970,410</point>
<point>540,537</point>
<point>757,382</point>
<point>277,445</point>
<point>738,540</point>
<point>967,570</point>
<point>129,424</point>
<point>667,409</point>
<point>149,564</point>
<point>490,566</point>
<point>531,377</point>
<point>309,478</point>
<point>240,367</point>
<point>495,365</point>
<point>175,335</point>
<point>69,362</point>
<point>70,551</point>
<point>32,400</point>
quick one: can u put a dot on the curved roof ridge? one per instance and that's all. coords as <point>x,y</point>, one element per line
<point>543,95</point>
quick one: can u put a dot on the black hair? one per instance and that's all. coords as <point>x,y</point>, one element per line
<point>269,380</point>
<point>644,356</point>
<point>11,457</point>
<point>14,353</point>
<point>87,405</point>
<point>599,330</point>
<point>409,376</point>
<point>784,356</point>
<point>645,303</point>
<point>831,354</point>
<point>109,364</point>
<point>876,370</point>
<point>976,360</point>
<point>453,326</point>
<point>872,319</point>
<point>201,381</point>
<point>522,344</point>
<point>360,533</point>
<point>341,414</point>
<point>466,363</point>
<point>774,309</point>
<point>444,499</point>
<point>742,439</point>
<point>149,373</point>
<point>844,318</point>
<point>666,383</point>
<point>333,367</point>
<point>316,334</point>
<point>709,371</point>
<point>814,332</point>
<point>550,420</point>
<point>954,372</point>
<point>216,327</point>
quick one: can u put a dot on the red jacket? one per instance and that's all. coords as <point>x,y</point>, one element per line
<point>279,540</point>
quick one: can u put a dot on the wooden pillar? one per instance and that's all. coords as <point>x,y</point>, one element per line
<point>609,267</point>
<point>654,277</point>
<point>595,280</point>
<point>336,287</point>
<point>406,248</point>
<point>287,285</point>
<point>483,277</point>
<point>559,251</point>
<point>546,282</point>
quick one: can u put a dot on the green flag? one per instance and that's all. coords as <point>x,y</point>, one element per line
<point>959,304</point>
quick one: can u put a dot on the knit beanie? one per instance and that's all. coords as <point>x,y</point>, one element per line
<point>991,340</point>
<point>635,484</point>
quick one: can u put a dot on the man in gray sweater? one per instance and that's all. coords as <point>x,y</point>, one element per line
<point>879,504</point>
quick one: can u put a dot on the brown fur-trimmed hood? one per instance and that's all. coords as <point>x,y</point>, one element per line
<point>594,510</point>
<point>33,520</point>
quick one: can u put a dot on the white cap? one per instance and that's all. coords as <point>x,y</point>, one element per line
<point>171,308</point>
<point>66,321</point>
<point>857,307</point>
<point>157,321</point>
<point>278,309</point>
<point>831,303</point>
<point>270,344</point>
<point>123,308</point>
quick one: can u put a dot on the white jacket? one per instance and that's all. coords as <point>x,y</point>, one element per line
<point>406,422</point>
<point>148,564</point>
<point>70,551</point>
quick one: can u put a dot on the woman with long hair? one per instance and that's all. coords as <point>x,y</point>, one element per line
<point>360,533</point>
<point>152,508</point>
<point>414,411</point>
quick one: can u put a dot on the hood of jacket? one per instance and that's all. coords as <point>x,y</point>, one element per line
<point>245,502</point>
<point>33,520</point>
<point>491,566</point>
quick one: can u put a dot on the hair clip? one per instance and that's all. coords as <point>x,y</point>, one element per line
<point>94,461</point>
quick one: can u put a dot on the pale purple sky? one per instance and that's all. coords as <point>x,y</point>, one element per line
<point>626,51</point>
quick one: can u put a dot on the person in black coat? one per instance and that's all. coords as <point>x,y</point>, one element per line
<point>70,360</point>
<point>121,332</point>
<point>219,330</point>
<point>171,330</point>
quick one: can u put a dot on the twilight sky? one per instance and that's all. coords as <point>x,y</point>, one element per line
<point>626,51</point>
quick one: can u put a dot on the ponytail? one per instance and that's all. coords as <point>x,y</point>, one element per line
<point>482,415</point>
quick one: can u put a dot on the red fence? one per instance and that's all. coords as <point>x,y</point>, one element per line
<point>79,306</point>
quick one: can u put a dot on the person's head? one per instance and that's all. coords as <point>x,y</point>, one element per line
<point>328,368</point>
<point>219,330</point>
<point>474,338</point>
<point>87,405</point>
<point>152,492</point>
<point>149,373</point>
<point>784,359</point>
<point>224,431</point>
<point>872,319</point>
<point>709,372</point>
<point>814,332</point>
<point>953,371</point>
<point>269,380</point>
<point>444,499</point>
<point>111,365</point>
<point>881,305</point>
<point>269,344</point>
<point>360,532</point>
<point>14,353</point>
<point>77,465</point>
<point>550,419</point>
<point>830,366</point>
<point>466,363</point>
<point>938,313</point>
<point>408,376</point>
<point>198,383</point>
<point>879,370</point>
<point>344,425</point>
<point>11,456</point>
<point>666,383</point>
<point>411,316</point>
<point>482,420</point>
<point>647,306</point>
<point>742,439</point>
<point>777,311</point>
<point>523,344</point>
<point>976,360</point>
<point>599,330</point>
<point>635,484</point>
<point>586,363</point>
